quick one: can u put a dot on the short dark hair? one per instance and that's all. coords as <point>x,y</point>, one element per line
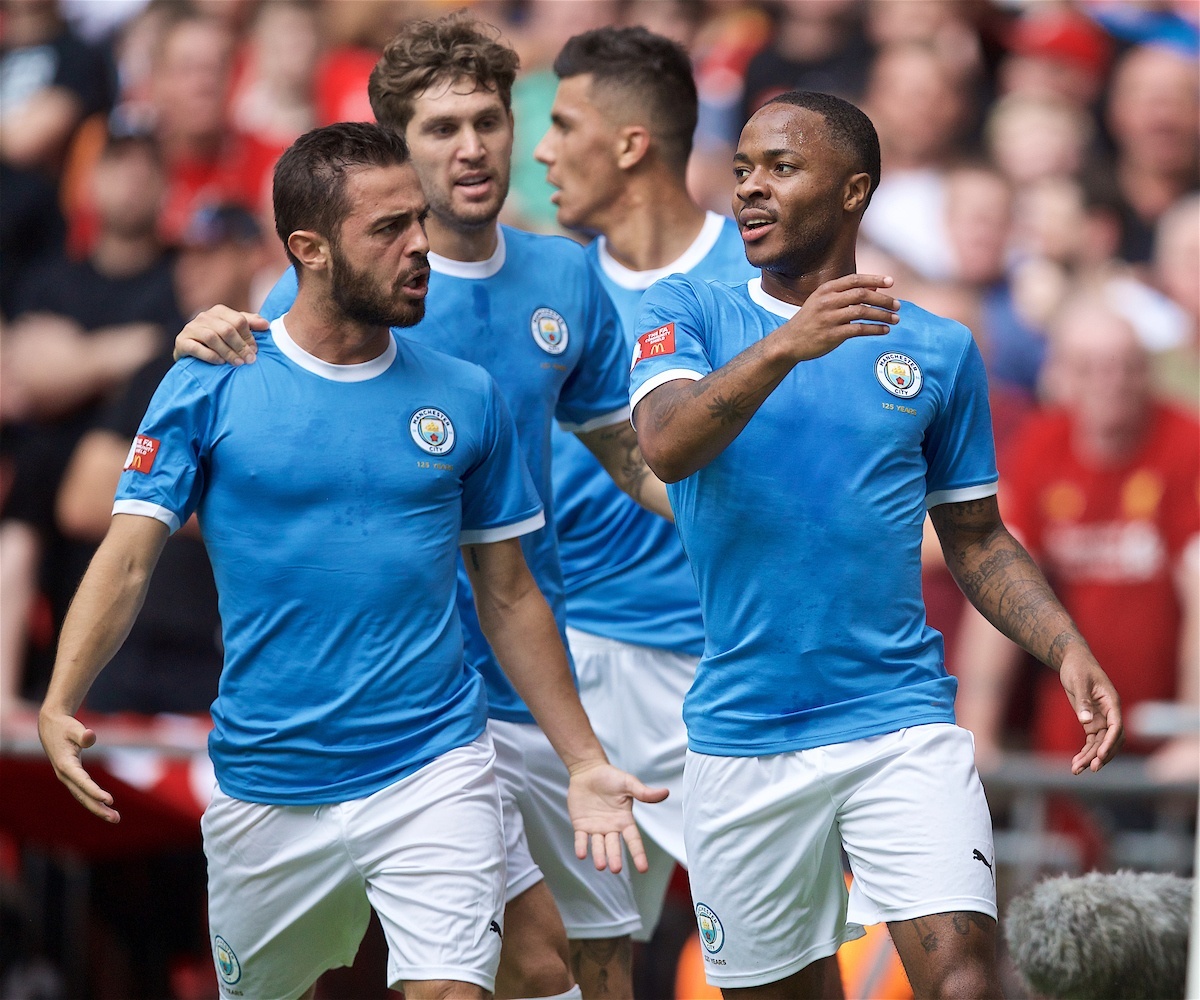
<point>847,126</point>
<point>652,73</point>
<point>445,48</point>
<point>310,177</point>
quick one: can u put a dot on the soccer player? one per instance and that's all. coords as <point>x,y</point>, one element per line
<point>806,420</point>
<point>334,481</point>
<point>531,311</point>
<point>617,150</point>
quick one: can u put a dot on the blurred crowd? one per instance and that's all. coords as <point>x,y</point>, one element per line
<point>1040,184</point>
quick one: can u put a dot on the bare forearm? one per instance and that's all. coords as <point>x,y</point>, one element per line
<point>100,617</point>
<point>522,633</point>
<point>1001,579</point>
<point>616,448</point>
<point>682,426</point>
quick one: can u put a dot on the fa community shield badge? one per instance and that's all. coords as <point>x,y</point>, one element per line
<point>899,375</point>
<point>712,934</point>
<point>432,431</point>
<point>549,330</point>
<point>228,967</point>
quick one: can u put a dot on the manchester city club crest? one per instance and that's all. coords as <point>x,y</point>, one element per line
<point>899,375</point>
<point>432,431</point>
<point>228,967</point>
<point>549,330</point>
<point>712,934</point>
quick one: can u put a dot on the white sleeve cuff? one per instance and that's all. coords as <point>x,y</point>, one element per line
<point>607,420</point>
<point>480,536</point>
<point>144,508</point>
<point>662,378</point>
<point>962,495</point>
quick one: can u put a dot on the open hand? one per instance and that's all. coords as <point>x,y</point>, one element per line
<point>65,738</point>
<point>1097,707</point>
<point>850,306</point>
<point>600,800</point>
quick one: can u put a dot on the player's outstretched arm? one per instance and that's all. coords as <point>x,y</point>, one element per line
<point>221,336</point>
<point>1001,579</point>
<point>616,448</point>
<point>521,629</point>
<point>684,425</point>
<point>99,619</point>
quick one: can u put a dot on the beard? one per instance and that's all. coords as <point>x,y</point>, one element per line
<point>364,300</point>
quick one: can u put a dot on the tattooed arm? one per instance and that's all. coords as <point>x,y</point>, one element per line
<point>616,448</point>
<point>1004,583</point>
<point>684,425</point>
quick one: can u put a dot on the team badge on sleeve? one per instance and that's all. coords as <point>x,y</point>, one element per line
<point>712,934</point>
<point>549,330</point>
<point>658,341</point>
<point>432,431</point>
<point>141,454</point>
<point>899,375</point>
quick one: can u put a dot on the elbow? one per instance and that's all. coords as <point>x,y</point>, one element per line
<point>659,458</point>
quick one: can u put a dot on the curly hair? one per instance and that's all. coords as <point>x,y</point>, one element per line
<point>426,52</point>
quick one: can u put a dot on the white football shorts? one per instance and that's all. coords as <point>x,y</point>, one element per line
<point>540,840</point>
<point>634,698</point>
<point>765,834</point>
<point>291,887</point>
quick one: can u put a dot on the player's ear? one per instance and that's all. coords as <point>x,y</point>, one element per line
<point>854,197</point>
<point>311,249</point>
<point>633,143</point>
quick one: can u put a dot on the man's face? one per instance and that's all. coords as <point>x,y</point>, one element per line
<point>579,151</point>
<point>379,263</point>
<point>461,138</point>
<point>790,185</point>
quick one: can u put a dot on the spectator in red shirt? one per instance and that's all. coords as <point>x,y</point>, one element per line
<point>1103,492</point>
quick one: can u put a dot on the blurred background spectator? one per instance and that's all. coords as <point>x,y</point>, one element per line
<point>1041,165</point>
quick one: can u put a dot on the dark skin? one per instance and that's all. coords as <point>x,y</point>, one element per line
<point>799,201</point>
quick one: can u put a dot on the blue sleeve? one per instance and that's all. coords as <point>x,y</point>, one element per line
<point>959,450</point>
<point>164,471</point>
<point>594,393</point>
<point>671,342</point>
<point>280,298</point>
<point>499,499</point>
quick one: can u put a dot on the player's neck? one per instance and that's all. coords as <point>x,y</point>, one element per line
<point>465,244</point>
<point>796,283</point>
<point>317,326</point>
<point>649,228</point>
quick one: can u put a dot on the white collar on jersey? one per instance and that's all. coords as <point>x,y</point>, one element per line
<point>769,302</point>
<point>622,276</point>
<point>471,268</point>
<point>360,372</point>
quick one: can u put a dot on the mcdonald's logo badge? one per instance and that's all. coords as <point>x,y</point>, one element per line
<point>656,342</point>
<point>141,454</point>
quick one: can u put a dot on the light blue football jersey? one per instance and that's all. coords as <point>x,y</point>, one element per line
<point>333,500</point>
<point>625,572</point>
<point>536,317</point>
<point>805,533</point>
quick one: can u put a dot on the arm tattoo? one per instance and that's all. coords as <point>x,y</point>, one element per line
<point>727,409</point>
<point>474,557</point>
<point>628,468</point>
<point>1001,580</point>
